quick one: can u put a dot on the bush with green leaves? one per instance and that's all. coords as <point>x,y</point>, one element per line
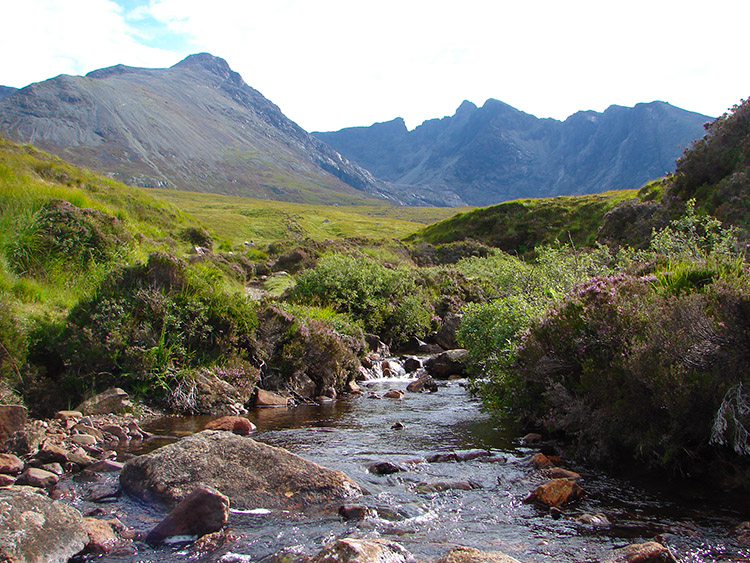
<point>145,324</point>
<point>386,300</point>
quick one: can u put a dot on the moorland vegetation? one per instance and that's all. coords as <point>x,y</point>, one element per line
<point>619,322</point>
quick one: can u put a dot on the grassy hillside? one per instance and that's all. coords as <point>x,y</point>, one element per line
<point>238,219</point>
<point>521,225</point>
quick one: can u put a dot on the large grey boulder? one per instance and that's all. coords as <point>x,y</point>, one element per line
<point>251,474</point>
<point>37,529</point>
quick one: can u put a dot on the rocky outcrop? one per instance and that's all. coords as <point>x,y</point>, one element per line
<point>350,550</point>
<point>447,364</point>
<point>39,529</point>
<point>249,473</point>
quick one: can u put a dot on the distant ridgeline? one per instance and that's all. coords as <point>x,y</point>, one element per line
<point>495,153</point>
<point>198,126</point>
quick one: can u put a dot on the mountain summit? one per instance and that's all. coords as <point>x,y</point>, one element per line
<point>195,126</point>
<point>486,155</point>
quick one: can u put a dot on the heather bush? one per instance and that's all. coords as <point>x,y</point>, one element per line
<point>145,324</point>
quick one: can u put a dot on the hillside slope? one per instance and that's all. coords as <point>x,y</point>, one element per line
<point>486,155</point>
<point>195,126</point>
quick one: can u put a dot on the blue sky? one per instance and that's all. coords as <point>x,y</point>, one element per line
<point>330,64</point>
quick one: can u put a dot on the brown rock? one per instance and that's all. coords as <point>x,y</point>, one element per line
<point>265,398</point>
<point>354,511</point>
<point>102,537</point>
<point>105,466</point>
<point>43,529</point>
<point>352,387</point>
<point>49,452</point>
<point>556,492</point>
<point>384,468</point>
<point>90,430</point>
<point>446,336</point>
<point>541,461</point>
<point>648,552</point>
<point>35,477</point>
<point>560,473</point>
<point>12,419</point>
<point>393,394</point>
<point>83,439</point>
<point>447,364</point>
<point>250,473</point>
<point>425,384</point>
<point>68,415</point>
<point>6,480</point>
<point>204,511</point>
<point>237,424</point>
<point>531,438</point>
<point>461,554</point>
<point>349,550</point>
<point>112,400</point>
<point>10,464</point>
<point>115,430</point>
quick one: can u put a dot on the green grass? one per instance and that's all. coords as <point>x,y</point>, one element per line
<point>238,219</point>
<point>523,224</point>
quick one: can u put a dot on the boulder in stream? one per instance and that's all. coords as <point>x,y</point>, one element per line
<point>424,384</point>
<point>556,492</point>
<point>462,554</point>
<point>647,552</point>
<point>251,474</point>
<point>37,528</point>
<point>204,511</point>
<point>447,364</point>
<point>350,550</point>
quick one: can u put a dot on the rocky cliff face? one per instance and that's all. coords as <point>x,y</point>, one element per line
<point>481,156</point>
<point>196,126</point>
<point>6,91</point>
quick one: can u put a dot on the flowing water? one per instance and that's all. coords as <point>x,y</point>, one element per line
<point>431,507</point>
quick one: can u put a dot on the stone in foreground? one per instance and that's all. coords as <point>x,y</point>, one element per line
<point>461,554</point>
<point>350,550</point>
<point>648,552</point>
<point>41,529</point>
<point>204,511</point>
<point>251,474</point>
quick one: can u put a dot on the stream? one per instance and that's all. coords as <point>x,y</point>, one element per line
<point>428,508</point>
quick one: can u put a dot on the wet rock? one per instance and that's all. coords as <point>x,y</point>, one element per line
<point>113,400</point>
<point>442,457</point>
<point>461,554</point>
<point>531,438</point>
<point>10,464</point>
<point>204,511</point>
<point>450,362</point>
<point>596,520</point>
<point>412,364</point>
<point>350,550</point>
<point>352,387</point>
<point>384,468</point>
<point>393,394</point>
<point>12,419</point>
<point>237,424</point>
<point>398,425</point>
<point>468,455</point>
<point>560,473</point>
<point>556,492</point>
<point>89,430</point>
<point>439,486</point>
<point>103,492</point>
<point>265,398</point>
<point>35,477</point>
<point>392,368</point>
<point>102,537</point>
<point>42,529</point>
<point>377,346</point>
<point>425,384</point>
<point>105,466</point>
<point>354,511</point>
<point>249,473</point>
<point>116,430</point>
<point>541,461</point>
<point>446,336</point>
<point>648,552</point>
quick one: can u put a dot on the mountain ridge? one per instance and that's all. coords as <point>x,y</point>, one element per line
<point>196,125</point>
<point>484,155</point>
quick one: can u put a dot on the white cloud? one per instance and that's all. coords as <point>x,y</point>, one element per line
<point>44,38</point>
<point>335,63</point>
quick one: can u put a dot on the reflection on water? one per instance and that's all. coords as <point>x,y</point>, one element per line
<point>477,503</point>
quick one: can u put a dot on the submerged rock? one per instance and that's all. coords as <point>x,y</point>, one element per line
<point>350,550</point>
<point>384,468</point>
<point>38,528</point>
<point>461,554</point>
<point>648,552</point>
<point>251,474</point>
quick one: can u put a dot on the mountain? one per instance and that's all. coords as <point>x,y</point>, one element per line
<point>6,91</point>
<point>486,155</point>
<point>195,126</point>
